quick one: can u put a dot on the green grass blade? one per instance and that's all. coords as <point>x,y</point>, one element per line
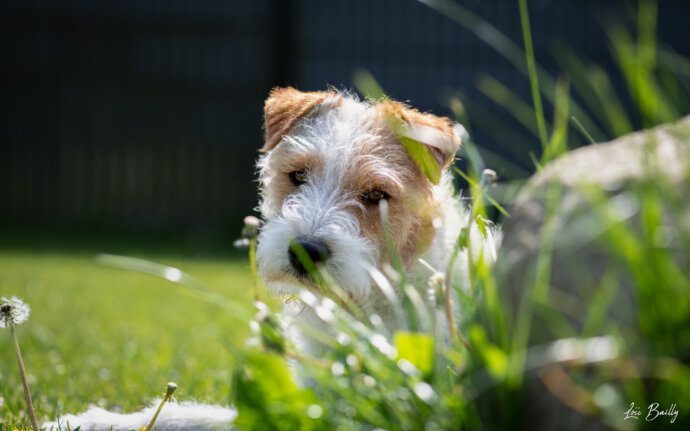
<point>532,72</point>
<point>510,50</point>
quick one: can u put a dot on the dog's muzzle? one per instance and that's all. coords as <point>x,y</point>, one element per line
<point>302,248</point>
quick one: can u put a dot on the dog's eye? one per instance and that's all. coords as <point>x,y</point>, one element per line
<point>374,196</point>
<point>298,177</point>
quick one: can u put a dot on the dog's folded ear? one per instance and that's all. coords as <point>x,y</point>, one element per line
<point>443,142</point>
<point>439,135</point>
<point>283,108</point>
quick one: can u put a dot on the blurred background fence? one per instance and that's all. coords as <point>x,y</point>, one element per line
<point>145,116</point>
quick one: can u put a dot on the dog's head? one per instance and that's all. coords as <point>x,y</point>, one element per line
<point>330,160</point>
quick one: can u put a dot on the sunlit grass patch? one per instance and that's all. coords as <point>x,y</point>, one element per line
<point>110,337</point>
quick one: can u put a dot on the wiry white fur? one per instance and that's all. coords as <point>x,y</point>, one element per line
<point>318,210</point>
<point>332,135</point>
<point>319,213</point>
<point>454,217</point>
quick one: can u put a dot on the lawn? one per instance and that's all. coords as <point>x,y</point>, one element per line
<point>593,346</point>
<point>111,337</point>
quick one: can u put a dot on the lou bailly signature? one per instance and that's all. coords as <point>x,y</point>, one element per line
<point>652,412</point>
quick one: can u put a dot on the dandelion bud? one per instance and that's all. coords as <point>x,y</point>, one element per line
<point>251,227</point>
<point>172,387</point>
<point>252,221</point>
<point>489,176</point>
<point>13,312</point>
<point>436,282</point>
<point>437,279</point>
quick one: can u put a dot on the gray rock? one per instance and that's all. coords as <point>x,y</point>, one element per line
<point>572,213</point>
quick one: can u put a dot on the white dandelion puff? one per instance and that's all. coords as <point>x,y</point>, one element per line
<point>13,311</point>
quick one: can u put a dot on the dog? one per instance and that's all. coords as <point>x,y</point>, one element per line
<point>331,164</point>
<point>330,161</point>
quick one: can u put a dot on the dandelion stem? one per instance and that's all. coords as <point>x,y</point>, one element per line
<point>153,420</point>
<point>168,395</point>
<point>454,332</point>
<point>254,269</point>
<point>27,394</point>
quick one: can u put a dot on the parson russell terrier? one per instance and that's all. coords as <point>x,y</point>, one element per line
<point>329,160</point>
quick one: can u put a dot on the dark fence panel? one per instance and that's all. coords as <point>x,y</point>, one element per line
<point>147,114</point>
<point>143,114</point>
<point>420,55</point>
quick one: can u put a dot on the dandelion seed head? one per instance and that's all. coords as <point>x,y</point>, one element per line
<point>13,311</point>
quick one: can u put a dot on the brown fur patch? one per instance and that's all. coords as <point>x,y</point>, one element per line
<point>411,207</point>
<point>281,185</point>
<point>283,108</point>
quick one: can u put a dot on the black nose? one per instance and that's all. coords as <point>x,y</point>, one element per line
<point>304,253</point>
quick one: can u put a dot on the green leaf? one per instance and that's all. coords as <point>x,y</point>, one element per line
<point>266,397</point>
<point>367,85</point>
<point>416,347</point>
<point>272,336</point>
<point>422,155</point>
<point>494,358</point>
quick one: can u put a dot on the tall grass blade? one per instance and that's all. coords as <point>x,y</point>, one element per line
<point>532,72</point>
<point>510,50</point>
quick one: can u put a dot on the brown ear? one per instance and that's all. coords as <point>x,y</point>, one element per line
<point>283,108</point>
<point>439,134</point>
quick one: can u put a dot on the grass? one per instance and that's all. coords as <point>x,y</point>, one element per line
<point>90,341</point>
<point>105,336</point>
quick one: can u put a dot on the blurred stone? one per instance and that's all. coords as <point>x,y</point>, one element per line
<point>590,191</point>
<point>617,171</point>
